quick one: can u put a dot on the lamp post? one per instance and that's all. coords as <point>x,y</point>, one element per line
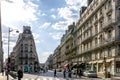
<point>8,63</point>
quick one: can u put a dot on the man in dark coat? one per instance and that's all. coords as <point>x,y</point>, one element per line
<point>55,73</point>
<point>64,73</point>
<point>20,74</point>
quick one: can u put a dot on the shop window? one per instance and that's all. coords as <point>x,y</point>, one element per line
<point>109,34</point>
<point>118,49</point>
<point>118,67</point>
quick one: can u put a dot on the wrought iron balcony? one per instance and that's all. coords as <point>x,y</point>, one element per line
<point>87,39</point>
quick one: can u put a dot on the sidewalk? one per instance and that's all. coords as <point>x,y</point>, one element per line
<point>5,77</point>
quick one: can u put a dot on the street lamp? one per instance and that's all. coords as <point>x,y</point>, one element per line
<point>8,63</point>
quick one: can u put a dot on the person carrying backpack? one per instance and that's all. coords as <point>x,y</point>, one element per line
<point>20,74</point>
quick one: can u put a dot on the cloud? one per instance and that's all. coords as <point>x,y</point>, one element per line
<point>18,12</point>
<point>67,14</point>
<point>45,25</point>
<point>56,36</point>
<point>76,2</point>
<point>36,37</point>
<point>43,14</point>
<point>53,16</point>
<point>71,11</point>
<point>52,9</point>
<point>44,56</point>
<point>61,25</point>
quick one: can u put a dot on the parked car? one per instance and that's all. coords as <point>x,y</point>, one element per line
<point>90,73</point>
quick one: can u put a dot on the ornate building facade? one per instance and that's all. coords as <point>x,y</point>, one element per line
<point>96,37</point>
<point>24,53</point>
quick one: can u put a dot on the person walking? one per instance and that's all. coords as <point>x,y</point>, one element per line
<point>2,72</point>
<point>64,73</point>
<point>55,73</point>
<point>69,73</point>
<point>20,74</point>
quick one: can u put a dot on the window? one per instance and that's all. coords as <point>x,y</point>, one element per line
<point>109,52</point>
<point>96,41</point>
<point>100,11</point>
<point>96,28</point>
<point>95,16</point>
<point>101,54</point>
<point>109,35</point>
<point>117,66</point>
<point>101,39</point>
<point>109,17</point>
<point>118,49</point>
<point>101,25</point>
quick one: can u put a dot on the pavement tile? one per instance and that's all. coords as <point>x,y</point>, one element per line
<point>5,77</point>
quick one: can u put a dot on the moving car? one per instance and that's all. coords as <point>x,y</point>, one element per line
<point>90,73</point>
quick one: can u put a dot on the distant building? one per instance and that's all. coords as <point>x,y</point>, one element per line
<point>1,49</point>
<point>42,65</point>
<point>24,53</point>
<point>49,62</point>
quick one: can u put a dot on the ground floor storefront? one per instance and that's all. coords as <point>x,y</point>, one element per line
<point>105,67</point>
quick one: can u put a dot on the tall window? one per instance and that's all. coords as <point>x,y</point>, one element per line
<point>96,28</point>
<point>109,35</point>
<point>118,49</point>
<point>117,66</point>
<point>109,52</point>
<point>101,25</point>
<point>96,42</point>
<point>101,39</point>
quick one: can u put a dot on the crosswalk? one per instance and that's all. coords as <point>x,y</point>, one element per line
<point>44,78</point>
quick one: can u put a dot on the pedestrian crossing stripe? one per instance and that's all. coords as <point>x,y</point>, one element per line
<point>44,79</point>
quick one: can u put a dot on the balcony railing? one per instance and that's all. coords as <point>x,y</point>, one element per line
<point>87,38</point>
<point>98,46</point>
<point>26,58</point>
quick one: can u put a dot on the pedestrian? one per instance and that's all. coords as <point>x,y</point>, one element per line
<point>77,72</point>
<point>55,73</point>
<point>69,73</point>
<point>64,73</point>
<point>2,72</point>
<point>80,73</point>
<point>20,74</point>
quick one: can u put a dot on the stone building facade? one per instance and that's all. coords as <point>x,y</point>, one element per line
<point>24,53</point>
<point>96,37</point>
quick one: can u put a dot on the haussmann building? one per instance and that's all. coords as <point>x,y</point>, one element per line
<point>98,36</point>
<point>24,53</point>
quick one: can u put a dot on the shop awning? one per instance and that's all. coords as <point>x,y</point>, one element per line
<point>81,65</point>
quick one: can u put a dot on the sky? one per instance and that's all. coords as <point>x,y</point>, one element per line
<point>48,20</point>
